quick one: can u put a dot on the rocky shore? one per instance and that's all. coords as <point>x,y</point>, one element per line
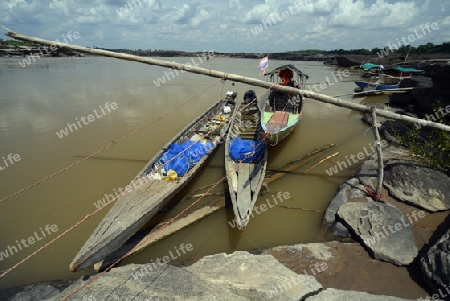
<point>23,51</point>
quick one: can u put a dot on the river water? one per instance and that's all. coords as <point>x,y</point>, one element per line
<point>107,99</point>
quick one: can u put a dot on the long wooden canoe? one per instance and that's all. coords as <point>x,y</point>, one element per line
<point>281,111</point>
<point>245,159</point>
<point>163,176</point>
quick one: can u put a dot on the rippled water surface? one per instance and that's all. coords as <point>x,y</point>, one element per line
<point>38,101</point>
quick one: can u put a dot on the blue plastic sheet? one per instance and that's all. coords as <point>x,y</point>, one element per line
<point>245,150</point>
<point>181,157</point>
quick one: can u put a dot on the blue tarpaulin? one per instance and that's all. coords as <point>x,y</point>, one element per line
<point>245,150</point>
<point>181,157</point>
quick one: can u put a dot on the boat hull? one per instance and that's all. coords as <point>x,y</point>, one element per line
<point>149,192</point>
<point>281,111</point>
<point>374,88</point>
<point>245,178</point>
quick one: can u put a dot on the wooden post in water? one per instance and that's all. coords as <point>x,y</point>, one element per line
<point>232,77</point>
<point>379,154</point>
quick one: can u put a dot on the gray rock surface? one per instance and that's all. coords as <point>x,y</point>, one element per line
<point>255,277</point>
<point>354,188</point>
<point>347,190</point>
<point>332,294</point>
<point>368,172</point>
<point>38,291</point>
<point>435,264</point>
<point>238,276</point>
<point>383,229</point>
<point>318,251</point>
<point>418,185</point>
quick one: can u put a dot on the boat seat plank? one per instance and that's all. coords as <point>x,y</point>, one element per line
<point>233,175</point>
<point>244,194</point>
<point>255,177</point>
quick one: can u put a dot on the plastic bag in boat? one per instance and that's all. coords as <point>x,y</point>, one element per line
<point>181,157</point>
<point>244,150</point>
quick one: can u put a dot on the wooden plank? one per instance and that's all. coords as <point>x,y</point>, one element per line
<point>244,194</point>
<point>232,173</point>
<point>257,173</point>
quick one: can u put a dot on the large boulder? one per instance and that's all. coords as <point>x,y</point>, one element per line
<point>418,185</point>
<point>428,91</point>
<point>382,228</point>
<point>238,276</point>
<point>253,277</point>
<point>348,190</point>
<point>435,264</point>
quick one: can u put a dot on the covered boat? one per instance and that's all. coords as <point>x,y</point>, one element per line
<point>282,111</point>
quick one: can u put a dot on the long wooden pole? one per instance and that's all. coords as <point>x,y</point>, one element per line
<point>379,154</point>
<point>232,77</point>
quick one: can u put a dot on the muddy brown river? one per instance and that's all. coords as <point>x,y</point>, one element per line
<point>105,99</point>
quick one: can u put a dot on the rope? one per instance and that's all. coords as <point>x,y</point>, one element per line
<point>372,194</point>
<point>23,189</point>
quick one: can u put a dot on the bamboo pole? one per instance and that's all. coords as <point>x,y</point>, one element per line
<point>379,154</point>
<point>321,161</point>
<point>229,76</point>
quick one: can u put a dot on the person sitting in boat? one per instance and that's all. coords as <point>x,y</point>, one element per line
<point>280,101</point>
<point>286,76</point>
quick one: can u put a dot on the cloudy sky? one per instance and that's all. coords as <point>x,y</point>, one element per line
<point>231,25</point>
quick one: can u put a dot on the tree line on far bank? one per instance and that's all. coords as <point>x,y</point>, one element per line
<point>421,49</point>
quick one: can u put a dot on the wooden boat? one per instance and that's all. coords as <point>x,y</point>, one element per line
<point>163,176</point>
<point>383,79</point>
<point>245,159</point>
<point>373,88</point>
<point>281,112</point>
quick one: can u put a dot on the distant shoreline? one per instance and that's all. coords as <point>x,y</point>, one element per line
<point>341,60</point>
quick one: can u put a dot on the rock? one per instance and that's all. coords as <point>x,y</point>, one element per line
<point>423,90</point>
<point>418,185</point>
<point>431,90</point>
<point>390,128</point>
<point>368,173</point>
<point>238,276</point>
<point>400,99</point>
<point>435,264</point>
<point>382,229</point>
<point>318,251</point>
<point>331,294</point>
<point>38,291</point>
<point>347,190</point>
<point>255,277</point>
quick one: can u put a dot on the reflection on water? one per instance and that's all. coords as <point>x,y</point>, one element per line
<point>41,99</point>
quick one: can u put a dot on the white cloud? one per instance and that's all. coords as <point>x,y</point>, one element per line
<point>200,24</point>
